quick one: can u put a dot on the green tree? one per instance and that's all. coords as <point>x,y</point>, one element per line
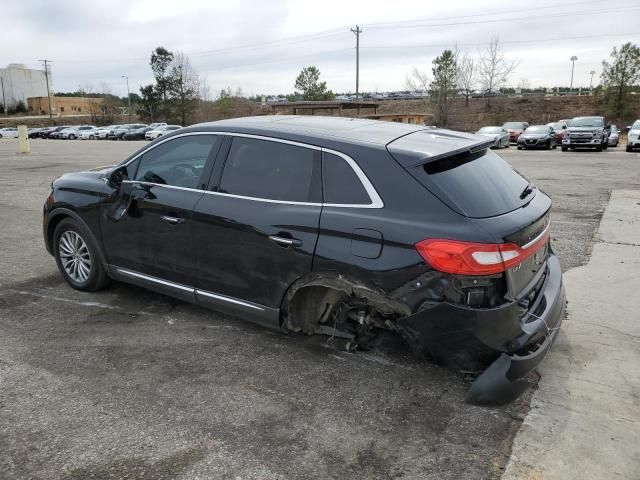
<point>161,60</point>
<point>149,102</point>
<point>445,74</point>
<point>310,87</point>
<point>621,74</point>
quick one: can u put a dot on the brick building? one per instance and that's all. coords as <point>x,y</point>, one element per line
<point>65,106</point>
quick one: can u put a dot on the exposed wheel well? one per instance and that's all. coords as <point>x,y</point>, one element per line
<point>53,223</point>
<point>322,299</point>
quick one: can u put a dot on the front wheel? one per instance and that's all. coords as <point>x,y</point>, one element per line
<point>72,136</point>
<point>77,257</point>
<point>564,149</point>
<point>599,148</point>
<point>629,149</point>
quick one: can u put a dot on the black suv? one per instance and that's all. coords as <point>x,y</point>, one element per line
<point>331,226</point>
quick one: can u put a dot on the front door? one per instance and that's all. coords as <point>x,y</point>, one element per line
<point>255,232</point>
<point>153,236</point>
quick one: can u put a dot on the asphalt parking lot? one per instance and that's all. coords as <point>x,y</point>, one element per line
<point>126,383</point>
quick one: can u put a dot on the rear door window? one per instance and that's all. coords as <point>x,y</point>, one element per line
<point>272,170</point>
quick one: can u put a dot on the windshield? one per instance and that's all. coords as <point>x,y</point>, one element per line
<point>537,129</point>
<point>555,126</point>
<point>490,130</point>
<point>519,125</point>
<point>586,122</point>
<point>636,125</point>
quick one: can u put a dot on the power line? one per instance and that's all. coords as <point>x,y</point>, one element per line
<point>538,40</point>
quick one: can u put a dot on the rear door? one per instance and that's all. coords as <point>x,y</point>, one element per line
<point>256,230</point>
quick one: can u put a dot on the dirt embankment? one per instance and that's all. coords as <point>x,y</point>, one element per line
<point>535,110</point>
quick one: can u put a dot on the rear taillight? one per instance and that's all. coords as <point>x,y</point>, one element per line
<point>468,258</point>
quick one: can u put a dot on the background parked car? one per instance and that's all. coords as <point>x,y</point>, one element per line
<point>119,133</point>
<point>537,136</point>
<point>55,133</point>
<point>102,132</point>
<point>559,128</point>
<point>34,132</point>
<point>157,125</point>
<point>633,137</point>
<point>499,135</point>
<point>586,132</point>
<point>72,133</point>
<point>614,136</point>
<point>137,134</point>
<point>8,132</point>
<point>88,133</point>
<point>515,129</point>
<point>44,133</point>
<point>153,134</point>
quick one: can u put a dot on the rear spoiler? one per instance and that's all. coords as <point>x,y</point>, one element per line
<point>428,146</point>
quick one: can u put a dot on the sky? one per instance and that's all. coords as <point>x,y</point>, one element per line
<point>261,46</point>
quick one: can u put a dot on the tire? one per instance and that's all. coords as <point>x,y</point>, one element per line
<point>71,243</point>
<point>548,145</point>
<point>564,149</point>
<point>599,148</point>
<point>72,136</point>
<point>555,145</point>
<point>605,145</point>
<point>629,149</point>
<point>92,137</point>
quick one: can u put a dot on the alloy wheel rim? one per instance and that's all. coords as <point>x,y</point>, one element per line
<point>74,256</point>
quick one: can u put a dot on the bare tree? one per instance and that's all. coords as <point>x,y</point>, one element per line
<point>494,68</point>
<point>467,75</point>
<point>417,81</point>
<point>184,87</point>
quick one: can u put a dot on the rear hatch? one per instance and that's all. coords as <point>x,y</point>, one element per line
<point>473,181</point>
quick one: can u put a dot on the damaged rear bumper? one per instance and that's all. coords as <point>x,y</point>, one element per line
<point>520,336</point>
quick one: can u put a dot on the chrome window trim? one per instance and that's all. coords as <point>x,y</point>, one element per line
<point>185,288</point>
<point>376,200</point>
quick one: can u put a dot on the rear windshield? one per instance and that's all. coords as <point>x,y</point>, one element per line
<point>478,186</point>
<point>513,125</point>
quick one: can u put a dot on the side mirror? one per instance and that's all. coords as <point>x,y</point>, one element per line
<point>564,127</point>
<point>117,176</point>
<point>607,126</point>
<point>627,128</point>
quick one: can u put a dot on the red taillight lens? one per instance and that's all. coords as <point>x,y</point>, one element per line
<point>468,258</point>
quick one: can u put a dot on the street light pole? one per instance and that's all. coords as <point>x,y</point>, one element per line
<point>573,64</point>
<point>592,73</point>
<point>128,96</point>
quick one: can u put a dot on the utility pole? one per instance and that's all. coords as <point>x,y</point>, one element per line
<point>357,33</point>
<point>128,95</point>
<point>4,103</point>
<point>592,73</point>
<point>46,75</point>
<point>573,64</point>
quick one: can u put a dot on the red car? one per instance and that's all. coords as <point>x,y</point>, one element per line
<point>559,128</point>
<point>515,129</point>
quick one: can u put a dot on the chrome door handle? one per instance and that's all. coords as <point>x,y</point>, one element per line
<point>172,220</point>
<point>286,242</point>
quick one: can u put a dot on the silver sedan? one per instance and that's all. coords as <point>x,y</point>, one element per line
<point>500,136</point>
